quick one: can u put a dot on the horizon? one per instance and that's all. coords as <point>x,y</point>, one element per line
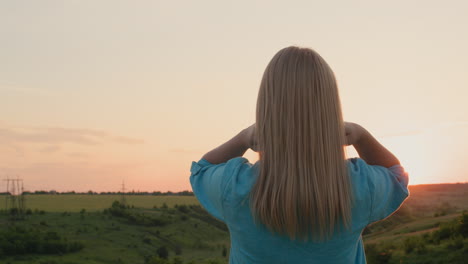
<point>32,192</point>
<point>96,93</point>
<point>173,192</point>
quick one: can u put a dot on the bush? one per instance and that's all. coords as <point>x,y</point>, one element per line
<point>157,260</point>
<point>377,255</point>
<point>177,260</point>
<point>414,243</point>
<point>119,210</point>
<point>224,251</point>
<point>20,241</point>
<point>178,250</point>
<point>455,243</point>
<point>147,240</point>
<point>463,225</point>
<point>163,252</point>
<point>445,231</point>
<point>183,208</point>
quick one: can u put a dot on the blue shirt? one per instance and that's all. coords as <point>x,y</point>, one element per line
<point>223,190</point>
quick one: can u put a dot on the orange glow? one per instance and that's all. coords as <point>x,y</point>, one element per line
<point>138,95</point>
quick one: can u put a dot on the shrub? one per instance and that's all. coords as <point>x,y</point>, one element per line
<point>463,225</point>
<point>147,240</point>
<point>224,251</point>
<point>183,208</point>
<point>178,250</point>
<point>163,252</point>
<point>455,243</point>
<point>177,260</point>
<point>16,241</point>
<point>157,260</point>
<point>414,243</point>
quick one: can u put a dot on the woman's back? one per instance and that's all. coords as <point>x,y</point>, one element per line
<point>302,188</point>
<point>223,189</point>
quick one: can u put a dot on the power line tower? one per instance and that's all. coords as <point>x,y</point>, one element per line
<point>123,199</point>
<point>15,202</point>
<point>22,200</point>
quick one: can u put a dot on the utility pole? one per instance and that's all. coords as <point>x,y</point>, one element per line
<point>123,199</point>
<point>15,202</point>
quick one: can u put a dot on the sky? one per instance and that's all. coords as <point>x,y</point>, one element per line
<point>94,93</point>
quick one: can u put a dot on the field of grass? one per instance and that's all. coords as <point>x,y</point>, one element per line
<point>74,203</point>
<point>189,235</point>
<point>192,236</point>
<point>414,227</point>
<point>418,221</point>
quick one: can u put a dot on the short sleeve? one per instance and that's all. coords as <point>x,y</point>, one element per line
<point>209,182</point>
<point>388,189</point>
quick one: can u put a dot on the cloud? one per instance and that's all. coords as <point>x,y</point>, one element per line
<point>49,137</point>
<point>49,149</point>
<point>16,88</point>
<point>11,148</point>
<point>59,135</point>
<point>126,140</point>
<point>78,155</point>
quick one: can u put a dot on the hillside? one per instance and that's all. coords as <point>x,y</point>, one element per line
<point>123,235</point>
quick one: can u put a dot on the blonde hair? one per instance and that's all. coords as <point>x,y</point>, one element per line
<point>303,186</point>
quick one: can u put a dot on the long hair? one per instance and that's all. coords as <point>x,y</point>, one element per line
<point>303,186</point>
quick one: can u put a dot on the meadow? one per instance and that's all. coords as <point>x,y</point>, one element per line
<point>72,229</point>
<point>94,202</point>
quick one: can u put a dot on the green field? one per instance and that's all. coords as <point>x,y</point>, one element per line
<point>428,228</point>
<point>74,203</point>
<point>187,232</point>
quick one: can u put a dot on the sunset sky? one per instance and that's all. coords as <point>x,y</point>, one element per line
<point>96,92</point>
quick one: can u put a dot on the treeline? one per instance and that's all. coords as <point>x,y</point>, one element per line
<point>119,210</point>
<point>156,193</point>
<point>16,240</point>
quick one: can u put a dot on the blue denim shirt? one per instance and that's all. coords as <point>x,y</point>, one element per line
<point>223,190</point>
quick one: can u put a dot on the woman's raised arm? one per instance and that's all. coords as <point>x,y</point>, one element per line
<point>368,148</point>
<point>235,147</point>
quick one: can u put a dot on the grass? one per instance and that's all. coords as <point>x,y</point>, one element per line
<point>415,227</point>
<point>111,239</point>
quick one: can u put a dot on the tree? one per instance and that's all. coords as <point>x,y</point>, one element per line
<point>224,252</point>
<point>163,252</point>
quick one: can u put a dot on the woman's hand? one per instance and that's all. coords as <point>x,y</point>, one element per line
<point>249,137</point>
<point>353,133</point>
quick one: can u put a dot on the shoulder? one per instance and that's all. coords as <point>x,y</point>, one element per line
<point>359,183</point>
<point>383,189</point>
<point>358,175</point>
<point>241,176</point>
<point>218,184</point>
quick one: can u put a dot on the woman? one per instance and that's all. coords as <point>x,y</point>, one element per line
<point>303,201</point>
